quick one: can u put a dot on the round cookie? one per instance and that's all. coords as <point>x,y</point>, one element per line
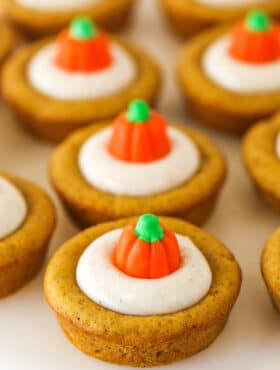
<point>270,265</point>
<point>188,17</point>
<point>38,21</point>
<point>229,82</point>
<point>56,88</point>
<point>141,340</point>
<point>23,249</point>
<point>262,161</point>
<point>9,39</point>
<point>96,185</point>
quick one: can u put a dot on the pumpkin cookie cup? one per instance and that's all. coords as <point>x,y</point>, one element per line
<point>188,17</point>
<point>193,200</point>
<point>270,265</point>
<point>261,160</point>
<point>135,339</point>
<point>52,118</point>
<point>110,14</point>
<point>220,107</point>
<point>9,39</point>
<point>22,252</point>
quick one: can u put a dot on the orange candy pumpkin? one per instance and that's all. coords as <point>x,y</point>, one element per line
<point>139,135</point>
<point>147,250</point>
<point>83,48</point>
<point>256,40</point>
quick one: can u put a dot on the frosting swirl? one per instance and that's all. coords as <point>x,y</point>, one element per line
<point>49,79</point>
<point>56,5</point>
<point>248,59</point>
<point>82,64</point>
<point>106,285</point>
<point>231,3</point>
<point>13,208</point>
<point>105,172</point>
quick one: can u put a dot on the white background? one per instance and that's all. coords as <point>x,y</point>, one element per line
<point>30,338</point>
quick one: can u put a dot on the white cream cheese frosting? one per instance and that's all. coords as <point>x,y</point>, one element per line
<point>57,5</point>
<point>239,76</point>
<point>13,208</point>
<point>46,77</point>
<point>232,3</point>
<point>109,174</point>
<point>277,145</point>
<point>102,282</point>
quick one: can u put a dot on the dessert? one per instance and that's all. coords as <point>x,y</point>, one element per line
<point>27,222</point>
<point>41,18</point>
<point>270,265</point>
<point>138,164</point>
<point>230,75</point>
<point>9,39</point>
<point>142,291</point>
<point>261,154</point>
<point>191,16</point>
<point>84,76</point>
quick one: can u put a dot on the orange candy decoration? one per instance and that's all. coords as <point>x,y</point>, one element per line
<point>83,48</point>
<point>147,250</point>
<point>139,135</point>
<point>254,48</point>
<point>256,40</point>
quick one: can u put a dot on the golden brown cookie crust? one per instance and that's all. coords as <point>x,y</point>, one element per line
<point>193,201</point>
<point>188,17</point>
<point>22,253</point>
<point>270,265</point>
<point>111,14</point>
<point>141,340</point>
<point>261,161</point>
<point>54,119</point>
<point>212,104</point>
<point>9,39</point>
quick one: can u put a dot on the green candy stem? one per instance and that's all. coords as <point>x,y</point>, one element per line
<point>257,21</point>
<point>138,111</point>
<point>82,28</point>
<point>148,228</point>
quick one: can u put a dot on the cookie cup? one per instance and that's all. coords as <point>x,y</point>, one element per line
<point>22,252</point>
<point>111,14</point>
<point>9,39</point>
<point>261,161</point>
<point>212,104</point>
<point>270,265</point>
<point>54,119</point>
<point>194,200</point>
<point>141,340</point>
<point>188,17</point>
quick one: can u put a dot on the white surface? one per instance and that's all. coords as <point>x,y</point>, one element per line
<point>13,208</point>
<point>105,172</point>
<point>53,81</point>
<point>98,278</point>
<point>30,336</point>
<point>238,76</point>
<point>56,5</point>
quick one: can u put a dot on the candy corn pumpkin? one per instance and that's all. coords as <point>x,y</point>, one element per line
<point>257,40</point>
<point>147,250</point>
<point>139,135</point>
<point>83,48</point>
